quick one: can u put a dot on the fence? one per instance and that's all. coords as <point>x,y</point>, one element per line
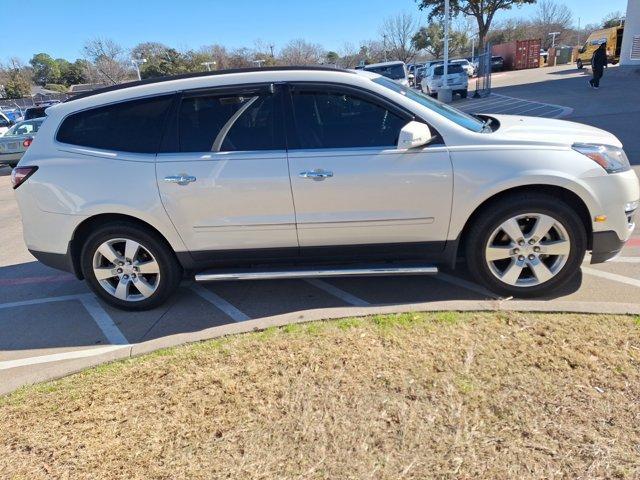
<point>22,103</point>
<point>483,73</point>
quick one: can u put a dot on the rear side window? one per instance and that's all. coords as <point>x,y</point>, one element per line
<point>230,122</point>
<point>341,120</point>
<point>134,126</point>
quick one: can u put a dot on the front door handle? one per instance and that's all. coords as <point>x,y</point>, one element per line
<point>182,179</point>
<point>316,174</point>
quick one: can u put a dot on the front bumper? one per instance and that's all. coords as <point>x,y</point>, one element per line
<point>606,245</point>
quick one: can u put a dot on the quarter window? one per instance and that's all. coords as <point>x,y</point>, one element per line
<point>224,122</point>
<point>133,126</point>
<point>326,119</point>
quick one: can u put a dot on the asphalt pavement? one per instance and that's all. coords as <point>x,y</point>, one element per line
<point>52,325</point>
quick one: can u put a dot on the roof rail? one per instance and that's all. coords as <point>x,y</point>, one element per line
<point>169,78</point>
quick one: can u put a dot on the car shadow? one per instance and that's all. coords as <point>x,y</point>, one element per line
<point>51,314</point>
<point>5,170</point>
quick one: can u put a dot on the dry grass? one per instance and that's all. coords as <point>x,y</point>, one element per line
<point>408,396</point>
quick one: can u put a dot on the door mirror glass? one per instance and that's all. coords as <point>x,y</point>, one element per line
<point>413,135</point>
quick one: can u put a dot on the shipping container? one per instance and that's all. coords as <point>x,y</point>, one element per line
<point>520,54</point>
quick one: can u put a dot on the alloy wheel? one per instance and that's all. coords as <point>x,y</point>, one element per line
<point>527,250</point>
<point>126,269</point>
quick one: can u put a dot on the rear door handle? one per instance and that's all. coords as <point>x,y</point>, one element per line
<point>316,174</point>
<point>182,179</point>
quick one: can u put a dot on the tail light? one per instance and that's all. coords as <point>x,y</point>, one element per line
<point>20,174</point>
<point>27,142</point>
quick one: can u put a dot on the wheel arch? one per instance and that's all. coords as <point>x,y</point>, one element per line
<point>561,193</point>
<point>84,229</point>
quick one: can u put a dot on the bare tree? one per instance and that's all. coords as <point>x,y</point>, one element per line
<point>551,16</point>
<point>109,60</point>
<point>397,33</point>
<point>300,52</point>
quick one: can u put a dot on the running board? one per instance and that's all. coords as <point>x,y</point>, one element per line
<point>278,274</point>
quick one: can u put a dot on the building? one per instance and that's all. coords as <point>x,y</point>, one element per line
<point>630,53</point>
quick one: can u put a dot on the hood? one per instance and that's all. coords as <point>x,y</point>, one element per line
<point>548,131</point>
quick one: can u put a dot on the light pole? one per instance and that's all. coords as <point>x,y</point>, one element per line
<point>553,38</point>
<point>446,42</point>
<point>258,62</point>
<point>208,64</point>
<point>384,46</point>
<point>137,63</point>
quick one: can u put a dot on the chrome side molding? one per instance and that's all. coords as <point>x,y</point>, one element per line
<point>219,275</point>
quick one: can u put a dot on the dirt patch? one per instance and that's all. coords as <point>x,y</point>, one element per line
<point>417,396</point>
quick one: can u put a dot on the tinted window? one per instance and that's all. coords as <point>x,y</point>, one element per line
<point>134,126</point>
<point>396,72</point>
<point>338,120</point>
<point>455,68</point>
<point>34,112</point>
<point>230,123</point>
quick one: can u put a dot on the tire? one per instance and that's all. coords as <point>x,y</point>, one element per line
<point>551,271</point>
<point>137,287</point>
<point>463,93</point>
<point>579,64</point>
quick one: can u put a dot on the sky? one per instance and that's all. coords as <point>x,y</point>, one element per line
<point>61,27</point>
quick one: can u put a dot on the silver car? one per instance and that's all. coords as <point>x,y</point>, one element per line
<point>15,142</point>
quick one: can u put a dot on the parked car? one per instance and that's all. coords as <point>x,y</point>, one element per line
<point>5,123</point>
<point>394,70</point>
<point>15,142</point>
<point>35,112</point>
<point>611,36</point>
<point>136,186</point>
<point>497,63</point>
<point>457,80</point>
<point>13,114</point>
<point>467,66</point>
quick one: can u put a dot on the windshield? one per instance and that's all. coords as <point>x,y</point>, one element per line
<point>395,72</point>
<point>23,128</point>
<point>453,114</point>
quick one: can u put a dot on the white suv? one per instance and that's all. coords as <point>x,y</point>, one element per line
<point>293,172</point>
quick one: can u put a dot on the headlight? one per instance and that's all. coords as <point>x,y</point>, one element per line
<point>612,159</point>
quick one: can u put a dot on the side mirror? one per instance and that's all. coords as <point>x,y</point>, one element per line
<point>413,135</point>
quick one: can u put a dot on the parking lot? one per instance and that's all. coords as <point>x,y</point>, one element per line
<point>52,325</point>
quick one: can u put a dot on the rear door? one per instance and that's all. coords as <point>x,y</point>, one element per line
<point>223,174</point>
<point>351,185</point>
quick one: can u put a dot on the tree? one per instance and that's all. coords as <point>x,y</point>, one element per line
<point>482,10</point>
<point>397,33</point>
<point>431,40</point>
<point>45,69</point>
<point>300,52</point>
<point>613,19</point>
<point>108,60</point>
<point>161,60</point>
<point>332,58</point>
<point>551,17</point>
<point>16,80</point>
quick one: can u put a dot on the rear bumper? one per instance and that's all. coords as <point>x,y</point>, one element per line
<point>606,245</point>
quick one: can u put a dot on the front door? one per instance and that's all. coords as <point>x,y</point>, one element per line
<point>352,186</point>
<point>224,181</point>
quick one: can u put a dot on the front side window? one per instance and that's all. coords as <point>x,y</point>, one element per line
<point>328,119</point>
<point>230,122</point>
<point>134,126</point>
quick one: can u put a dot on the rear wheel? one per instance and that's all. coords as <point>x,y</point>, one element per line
<point>129,266</point>
<point>526,246</point>
<point>579,64</point>
<point>463,93</point>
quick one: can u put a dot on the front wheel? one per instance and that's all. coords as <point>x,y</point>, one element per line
<point>129,266</point>
<point>526,246</point>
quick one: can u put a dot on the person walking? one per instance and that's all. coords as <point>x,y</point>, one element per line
<point>598,62</point>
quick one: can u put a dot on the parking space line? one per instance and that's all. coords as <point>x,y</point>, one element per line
<point>612,276</point>
<point>103,320</point>
<point>220,303</point>
<point>460,282</point>
<point>337,292</point>
<point>38,301</point>
<point>624,260</point>
<point>56,357</point>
